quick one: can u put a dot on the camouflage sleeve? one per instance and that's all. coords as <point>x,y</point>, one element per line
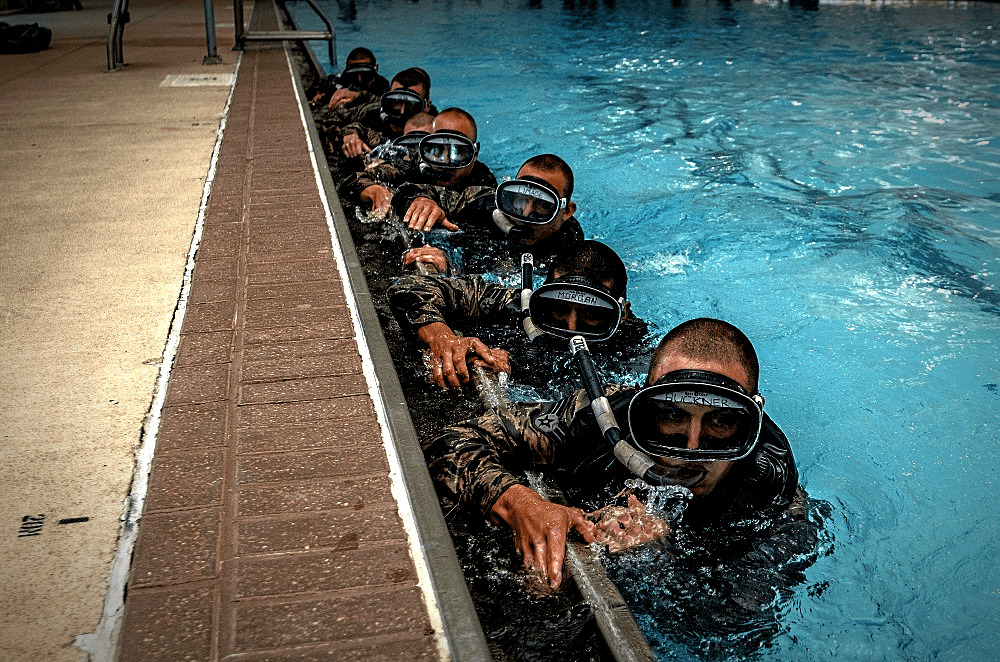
<point>453,202</point>
<point>474,462</point>
<point>368,135</point>
<point>363,103</point>
<point>353,113</point>
<point>383,173</point>
<point>419,300</point>
<point>474,202</point>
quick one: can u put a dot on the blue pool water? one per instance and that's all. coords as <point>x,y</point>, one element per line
<point>827,180</point>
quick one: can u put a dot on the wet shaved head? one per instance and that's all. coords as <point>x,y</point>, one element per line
<point>456,119</point>
<point>712,340</point>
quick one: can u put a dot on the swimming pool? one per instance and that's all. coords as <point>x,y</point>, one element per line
<point>827,180</point>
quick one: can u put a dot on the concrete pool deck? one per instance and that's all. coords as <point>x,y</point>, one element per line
<point>283,518</point>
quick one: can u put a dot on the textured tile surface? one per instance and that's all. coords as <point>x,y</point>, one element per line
<point>270,530</point>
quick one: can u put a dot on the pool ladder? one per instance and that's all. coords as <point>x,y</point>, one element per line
<point>244,34</point>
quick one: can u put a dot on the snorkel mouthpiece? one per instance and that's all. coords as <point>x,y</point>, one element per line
<point>501,221</point>
<point>683,476</point>
<point>642,466</point>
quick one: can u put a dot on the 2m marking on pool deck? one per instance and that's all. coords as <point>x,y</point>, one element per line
<point>198,80</point>
<point>31,525</point>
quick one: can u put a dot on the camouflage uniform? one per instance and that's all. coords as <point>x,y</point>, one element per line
<point>373,89</point>
<point>420,300</point>
<point>481,247</point>
<point>389,174</point>
<point>474,462</point>
<point>451,199</point>
<point>728,555</point>
<point>492,312</point>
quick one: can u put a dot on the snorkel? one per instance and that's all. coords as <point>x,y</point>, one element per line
<point>637,462</point>
<point>502,222</point>
<point>527,275</point>
<point>518,233</point>
<point>580,289</point>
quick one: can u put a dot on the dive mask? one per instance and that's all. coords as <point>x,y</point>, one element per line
<point>529,200</point>
<point>448,150</point>
<point>357,75</point>
<point>727,421</point>
<point>401,104</point>
<point>410,142</point>
<point>402,150</point>
<point>597,314</point>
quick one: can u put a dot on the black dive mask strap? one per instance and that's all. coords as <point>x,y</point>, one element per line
<point>701,376</point>
<point>577,279</point>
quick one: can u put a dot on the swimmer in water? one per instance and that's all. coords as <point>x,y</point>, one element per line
<point>533,213</point>
<point>358,84</point>
<point>447,165</point>
<point>386,167</point>
<point>584,293</point>
<point>353,134</point>
<point>699,418</point>
<point>450,170</point>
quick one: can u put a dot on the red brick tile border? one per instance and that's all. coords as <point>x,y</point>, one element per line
<point>270,530</point>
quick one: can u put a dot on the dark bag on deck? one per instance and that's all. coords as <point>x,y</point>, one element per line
<point>24,38</point>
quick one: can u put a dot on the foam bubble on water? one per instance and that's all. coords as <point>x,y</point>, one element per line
<point>666,502</point>
<point>661,264</point>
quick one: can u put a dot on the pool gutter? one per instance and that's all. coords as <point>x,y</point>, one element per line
<point>450,605</point>
<point>462,633</point>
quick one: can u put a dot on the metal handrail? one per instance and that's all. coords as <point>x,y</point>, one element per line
<point>329,35</point>
<point>119,16</point>
<point>117,19</point>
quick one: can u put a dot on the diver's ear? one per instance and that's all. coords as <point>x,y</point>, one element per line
<point>626,310</point>
<point>570,208</point>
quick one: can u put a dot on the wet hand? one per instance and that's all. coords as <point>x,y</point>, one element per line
<point>353,146</point>
<point>540,528</point>
<point>424,214</point>
<point>431,256</point>
<point>500,363</point>
<point>379,197</point>
<point>342,96</point>
<point>624,527</point>
<point>449,354</point>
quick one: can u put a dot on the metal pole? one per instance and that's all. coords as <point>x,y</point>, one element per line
<point>332,41</point>
<point>116,19</point>
<point>238,24</point>
<point>213,54</point>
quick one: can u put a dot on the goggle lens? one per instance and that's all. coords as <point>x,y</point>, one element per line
<point>401,104</point>
<point>410,142</point>
<point>447,150</point>
<point>694,422</point>
<point>591,313</point>
<point>528,202</point>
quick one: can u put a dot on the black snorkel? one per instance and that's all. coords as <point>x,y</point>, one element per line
<point>637,462</point>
